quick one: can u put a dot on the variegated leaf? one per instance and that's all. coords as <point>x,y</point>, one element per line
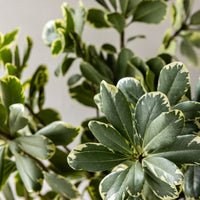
<point>185,150</point>
<point>37,146</point>
<point>161,189</point>
<point>94,157</point>
<point>192,183</point>
<point>131,88</point>
<point>123,184</point>
<point>109,137</point>
<point>163,130</point>
<point>163,169</point>
<point>116,109</point>
<point>149,107</point>
<point>190,109</point>
<point>30,173</point>
<point>174,81</point>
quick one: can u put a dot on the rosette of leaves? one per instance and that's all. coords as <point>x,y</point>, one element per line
<point>185,25</point>
<point>144,140</point>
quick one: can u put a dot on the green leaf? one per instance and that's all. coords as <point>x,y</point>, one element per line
<point>110,49</point>
<point>9,38</point>
<point>192,183</point>
<point>49,33</point>
<point>193,37</point>
<point>30,173</point>
<point>73,79</point>
<point>27,50</point>
<point>163,169</point>
<point>6,56</point>
<point>151,12</point>
<point>79,18</point>
<point>57,47</point>
<point>124,56</point>
<point>128,6</point>
<point>84,157</point>
<point>135,37</point>
<point>197,91</point>
<point>148,193</point>
<point>161,189</point>
<point>190,109</point>
<point>123,183</point>
<point>109,137</point>
<point>48,115</point>
<point>131,88</point>
<point>66,64</point>
<point>91,74</point>
<point>8,168</point>
<point>3,118</point>
<point>167,125</point>
<point>148,108</point>
<point>187,50</point>
<point>37,146</point>
<point>59,132</point>
<point>7,192</point>
<point>82,94</point>
<point>184,150</point>
<point>116,109</point>
<point>61,185</point>
<point>96,17</point>
<point>17,120</point>
<point>17,56</point>
<point>174,81</point>
<point>195,19</point>
<point>60,165</point>
<point>2,150</point>
<point>11,91</point>
<point>116,21</point>
<point>93,187</point>
<point>114,4</point>
<point>11,69</point>
<point>103,3</point>
<point>177,11</point>
<point>70,26</point>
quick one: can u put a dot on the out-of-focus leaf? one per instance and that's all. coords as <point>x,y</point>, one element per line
<point>11,91</point>
<point>151,12</point>
<point>48,115</point>
<point>188,51</point>
<point>195,19</point>
<point>49,33</point>
<point>9,38</point>
<point>59,132</point>
<point>103,3</point>
<point>30,173</point>
<point>17,120</point>
<point>109,48</point>
<point>61,185</point>
<point>37,146</point>
<point>80,18</point>
<point>2,150</point>
<point>7,192</point>
<point>11,69</point>
<point>6,55</point>
<point>74,79</point>
<point>116,21</point>
<point>27,50</point>
<point>96,17</point>
<point>197,91</point>
<point>135,37</point>
<point>70,26</point>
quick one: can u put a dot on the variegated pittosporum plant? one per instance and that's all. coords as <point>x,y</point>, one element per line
<point>30,133</point>
<point>149,142</point>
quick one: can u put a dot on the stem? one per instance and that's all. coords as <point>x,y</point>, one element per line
<point>122,37</point>
<point>26,196</point>
<point>5,136</point>
<point>183,27</point>
<point>34,114</point>
<point>37,161</point>
<point>97,112</point>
